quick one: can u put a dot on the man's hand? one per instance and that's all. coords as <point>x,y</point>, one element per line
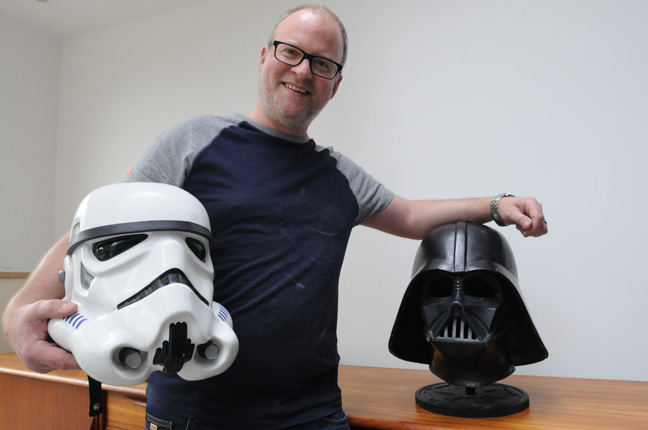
<point>26,330</point>
<point>526,213</point>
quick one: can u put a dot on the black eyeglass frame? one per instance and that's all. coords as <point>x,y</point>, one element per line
<point>306,56</point>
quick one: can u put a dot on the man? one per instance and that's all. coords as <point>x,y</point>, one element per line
<point>281,209</point>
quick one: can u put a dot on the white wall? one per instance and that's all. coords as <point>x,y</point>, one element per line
<point>439,99</point>
<point>29,84</point>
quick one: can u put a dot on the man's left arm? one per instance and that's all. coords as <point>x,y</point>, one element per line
<point>414,218</point>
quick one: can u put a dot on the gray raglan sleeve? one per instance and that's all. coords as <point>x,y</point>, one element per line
<point>170,158</point>
<point>372,196</point>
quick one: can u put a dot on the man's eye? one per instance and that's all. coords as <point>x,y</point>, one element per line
<point>109,248</point>
<point>322,65</point>
<point>197,247</point>
<point>289,52</point>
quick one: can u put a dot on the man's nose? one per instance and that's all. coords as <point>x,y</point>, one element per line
<point>303,69</point>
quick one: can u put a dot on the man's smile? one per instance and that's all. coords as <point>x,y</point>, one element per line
<point>295,88</point>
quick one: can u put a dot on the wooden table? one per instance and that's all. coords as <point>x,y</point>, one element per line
<point>59,400</point>
<point>374,398</point>
<point>384,399</point>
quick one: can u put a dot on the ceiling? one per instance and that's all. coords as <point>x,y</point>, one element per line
<point>62,19</point>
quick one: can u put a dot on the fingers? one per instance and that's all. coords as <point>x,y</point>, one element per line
<point>536,229</point>
<point>527,215</point>
<point>31,342</point>
<point>43,356</point>
<point>537,225</point>
<point>47,309</point>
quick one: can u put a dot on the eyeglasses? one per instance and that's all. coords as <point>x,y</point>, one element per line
<point>293,56</point>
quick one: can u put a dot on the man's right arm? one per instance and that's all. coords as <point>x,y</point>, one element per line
<point>28,312</point>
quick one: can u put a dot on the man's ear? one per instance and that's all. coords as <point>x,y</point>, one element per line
<point>336,86</point>
<point>264,51</point>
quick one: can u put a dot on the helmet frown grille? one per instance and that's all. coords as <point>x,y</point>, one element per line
<point>173,276</point>
<point>458,329</point>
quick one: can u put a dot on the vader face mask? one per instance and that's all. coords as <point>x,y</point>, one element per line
<point>463,313</point>
<point>139,268</point>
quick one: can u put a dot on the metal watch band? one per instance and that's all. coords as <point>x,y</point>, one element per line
<point>494,208</point>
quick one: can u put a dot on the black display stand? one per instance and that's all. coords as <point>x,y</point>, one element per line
<point>493,400</point>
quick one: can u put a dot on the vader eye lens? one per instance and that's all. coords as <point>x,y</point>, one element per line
<point>197,248</point>
<point>480,289</point>
<point>109,248</point>
<point>439,287</point>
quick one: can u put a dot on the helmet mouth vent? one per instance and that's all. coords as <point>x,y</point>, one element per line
<point>173,276</point>
<point>457,329</point>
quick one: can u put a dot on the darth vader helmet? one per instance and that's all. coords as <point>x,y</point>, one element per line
<point>138,265</point>
<point>463,313</point>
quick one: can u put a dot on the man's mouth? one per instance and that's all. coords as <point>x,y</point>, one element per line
<point>295,88</point>
<point>173,276</point>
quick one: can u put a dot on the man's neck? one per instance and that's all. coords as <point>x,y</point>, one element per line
<point>257,115</point>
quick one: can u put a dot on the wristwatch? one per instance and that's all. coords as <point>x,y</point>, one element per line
<point>494,208</point>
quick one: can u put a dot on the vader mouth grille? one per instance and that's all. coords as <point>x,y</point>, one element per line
<point>173,276</point>
<point>457,329</point>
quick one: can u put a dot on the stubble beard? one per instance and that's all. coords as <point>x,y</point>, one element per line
<point>299,120</point>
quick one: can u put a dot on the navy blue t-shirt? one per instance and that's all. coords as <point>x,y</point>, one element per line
<point>281,211</point>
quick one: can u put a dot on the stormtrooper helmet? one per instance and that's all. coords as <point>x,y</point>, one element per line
<point>463,313</point>
<point>138,265</point>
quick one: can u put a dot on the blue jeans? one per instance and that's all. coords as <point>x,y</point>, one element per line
<point>160,419</point>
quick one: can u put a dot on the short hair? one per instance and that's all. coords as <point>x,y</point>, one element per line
<point>317,9</point>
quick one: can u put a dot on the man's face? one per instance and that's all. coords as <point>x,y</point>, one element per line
<point>291,96</point>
